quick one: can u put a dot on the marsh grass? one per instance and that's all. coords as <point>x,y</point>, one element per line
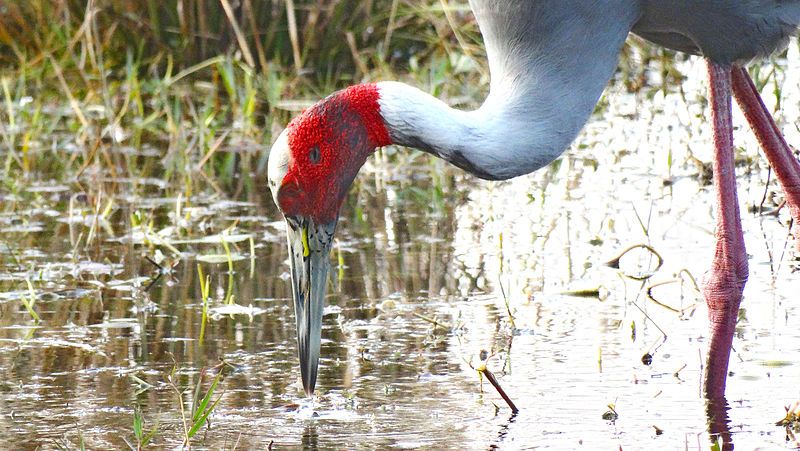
<point>140,433</point>
<point>30,301</point>
<point>204,400</point>
<point>121,102</point>
<point>105,96</point>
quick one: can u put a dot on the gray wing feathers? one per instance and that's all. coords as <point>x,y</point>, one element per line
<point>725,31</point>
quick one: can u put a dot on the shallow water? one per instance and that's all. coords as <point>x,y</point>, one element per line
<point>419,243</point>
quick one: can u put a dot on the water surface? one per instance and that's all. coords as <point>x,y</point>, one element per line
<point>426,262</point>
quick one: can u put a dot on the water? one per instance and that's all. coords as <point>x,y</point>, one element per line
<point>421,243</point>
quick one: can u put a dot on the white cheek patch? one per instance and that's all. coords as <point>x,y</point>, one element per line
<point>278,163</point>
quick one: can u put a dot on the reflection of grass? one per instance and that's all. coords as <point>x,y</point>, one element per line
<point>29,301</point>
<point>229,259</point>
<point>205,291</point>
<point>500,283</point>
<point>205,282</point>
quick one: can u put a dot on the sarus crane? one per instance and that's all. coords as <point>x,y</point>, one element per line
<point>549,62</point>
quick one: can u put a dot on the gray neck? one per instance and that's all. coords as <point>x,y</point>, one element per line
<point>547,74</point>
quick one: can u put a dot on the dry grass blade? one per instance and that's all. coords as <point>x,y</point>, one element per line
<point>73,102</point>
<point>248,56</point>
<point>389,29</point>
<point>448,14</point>
<point>214,148</point>
<point>293,36</point>
<point>351,42</point>
<point>262,57</point>
<point>614,262</point>
<point>195,68</point>
<point>435,322</point>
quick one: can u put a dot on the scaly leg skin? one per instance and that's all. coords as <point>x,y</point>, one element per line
<point>725,282</point>
<point>780,156</point>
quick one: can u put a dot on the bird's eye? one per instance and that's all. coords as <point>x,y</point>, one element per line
<point>314,155</point>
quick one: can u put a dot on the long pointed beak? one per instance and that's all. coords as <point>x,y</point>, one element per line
<point>309,256</point>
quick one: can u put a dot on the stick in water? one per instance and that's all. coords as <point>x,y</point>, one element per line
<point>485,371</point>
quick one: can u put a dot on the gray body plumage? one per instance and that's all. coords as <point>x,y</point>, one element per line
<point>724,31</point>
<point>550,61</point>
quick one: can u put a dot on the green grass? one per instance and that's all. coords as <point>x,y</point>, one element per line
<point>148,89</point>
<point>124,101</point>
<point>140,433</point>
<point>203,402</point>
<point>192,94</point>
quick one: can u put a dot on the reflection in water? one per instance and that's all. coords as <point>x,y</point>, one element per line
<point>719,428</point>
<point>503,432</point>
<point>417,239</point>
<point>310,439</point>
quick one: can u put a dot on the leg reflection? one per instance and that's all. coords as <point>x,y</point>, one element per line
<point>310,438</point>
<point>719,429</point>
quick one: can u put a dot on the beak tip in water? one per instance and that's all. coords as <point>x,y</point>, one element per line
<point>309,377</point>
<point>309,251</point>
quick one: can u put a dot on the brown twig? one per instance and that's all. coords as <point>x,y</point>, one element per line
<point>485,371</point>
<point>434,321</point>
<point>351,42</point>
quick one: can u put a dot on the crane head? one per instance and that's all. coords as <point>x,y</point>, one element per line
<point>311,167</point>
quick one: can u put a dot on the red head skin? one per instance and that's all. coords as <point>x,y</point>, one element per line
<point>329,143</point>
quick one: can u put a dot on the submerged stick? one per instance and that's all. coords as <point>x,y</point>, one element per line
<point>485,371</point>
<point>434,321</point>
<point>614,263</point>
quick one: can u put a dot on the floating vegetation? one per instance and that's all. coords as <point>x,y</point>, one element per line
<point>792,418</point>
<point>598,292</point>
<point>611,414</point>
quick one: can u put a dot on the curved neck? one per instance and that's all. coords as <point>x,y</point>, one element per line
<point>543,90</point>
<point>489,142</point>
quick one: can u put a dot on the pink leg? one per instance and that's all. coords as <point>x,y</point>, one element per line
<point>780,156</point>
<point>725,282</point>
